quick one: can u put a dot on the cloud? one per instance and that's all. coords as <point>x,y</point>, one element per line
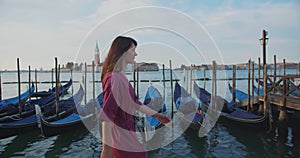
<point>169,27</point>
<point>59,30</point>
<point>237,29</point>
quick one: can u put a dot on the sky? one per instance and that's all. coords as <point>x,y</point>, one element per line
<point>185,32</point>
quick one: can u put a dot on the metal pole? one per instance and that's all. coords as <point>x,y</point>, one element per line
<point>264,35</point>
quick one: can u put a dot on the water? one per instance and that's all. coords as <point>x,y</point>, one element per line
<point>222,141</point>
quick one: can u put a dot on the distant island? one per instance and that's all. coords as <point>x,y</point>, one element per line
<point>144,66</point>
<point>242,66</point>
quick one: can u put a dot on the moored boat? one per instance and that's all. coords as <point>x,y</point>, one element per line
<point>84,117</point>
<point>230,113</point>
<point>21,125</point>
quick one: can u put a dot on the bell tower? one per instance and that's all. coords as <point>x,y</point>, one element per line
<point>97,55</point>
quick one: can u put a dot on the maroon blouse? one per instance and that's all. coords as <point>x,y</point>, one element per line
<point>119,104</point>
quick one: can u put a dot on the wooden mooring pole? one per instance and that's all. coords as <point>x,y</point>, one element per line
<point>284,68</point>
<point>265,90</point>
<point>85,88</point>
<point>234,83</point>
<point>56,88</point>
<point>186,80</point>
<point>134,77</point>
<point>164,83</point>
<point>214,102</point>
<point>191,79</point>
<point>252,87</point>
<point>19,88</point>
<point>258,75</point>
<point>282,120</point>
<point>29,77</point>
<point>94,89</point>
<point>0,88</point>
<point>204,76</point>
<point>248,105</point>
<point>71,71</point>
<point>299,68</point>
<point>52,74</point>
<point>275,69</point>
<point>171,90</point>
<point>260,108</point>
<point>137,82</point>
<point>36,80</point>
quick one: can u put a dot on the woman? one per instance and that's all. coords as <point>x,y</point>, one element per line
<point>119,138</point>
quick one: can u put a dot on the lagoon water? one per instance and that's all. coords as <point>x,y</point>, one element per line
<point>223,140</point>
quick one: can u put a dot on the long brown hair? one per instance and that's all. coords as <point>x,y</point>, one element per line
<point>119,46</point>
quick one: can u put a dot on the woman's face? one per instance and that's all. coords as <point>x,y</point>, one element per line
<point>130,54</point>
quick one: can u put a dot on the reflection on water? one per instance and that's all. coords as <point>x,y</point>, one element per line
<point>221,140</point>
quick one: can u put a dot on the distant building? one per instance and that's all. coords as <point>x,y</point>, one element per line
<point>288,65</point>
<point>147,66</point>
<point>242,66</point>
<point>98,64</point>
<point>64,69</point>
<point>89,67</point>
<point>97,55</point>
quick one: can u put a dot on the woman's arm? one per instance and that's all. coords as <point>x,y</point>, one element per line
<point>162,118</point>
<point>106,140</point>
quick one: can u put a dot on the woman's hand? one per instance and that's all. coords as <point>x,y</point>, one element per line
<point>106,152</point>
<point>162,118</point>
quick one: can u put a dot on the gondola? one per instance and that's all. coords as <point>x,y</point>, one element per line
<point>230,113</point>
<point>21,125</point>
<point>258,91</point>
<point>15,100</point>
<point>242,97</point>
<point>153,93</point>
<point>84,117</point>
<point>52,90</point>
<point>28,106</point>
<point>188,108</point>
